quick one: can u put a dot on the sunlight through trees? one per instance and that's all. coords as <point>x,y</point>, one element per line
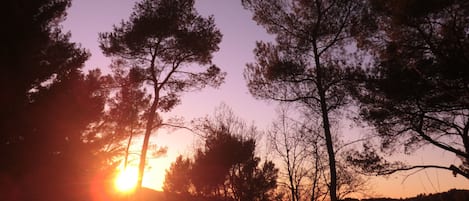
<point>160,41</point>
<point>397,68</point>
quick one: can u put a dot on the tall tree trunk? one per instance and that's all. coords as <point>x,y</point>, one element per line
<point>330,149</point>
<point>320,75</point>
<point>150,119</point>
<point>146,140</point>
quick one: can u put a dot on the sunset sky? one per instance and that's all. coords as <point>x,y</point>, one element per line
<point>86,18</point>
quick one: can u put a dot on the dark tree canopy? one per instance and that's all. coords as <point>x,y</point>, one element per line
<point>309,62</point>
<point>221,152</point>
<point>224,167</point>
<point>47,107</point>
<point>160,42</point>
<point>177,178</point>
<point>163,39</point>
<point>418,92</point>
<point>34,50</point>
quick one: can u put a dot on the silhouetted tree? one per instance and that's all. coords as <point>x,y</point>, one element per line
<point>47,149</point>
<point>417,93</point>
<point>178,178</point>
<point>126,114</point>
<point>287,139</point>
<point>163,39</point>
<point>308,62</point>
<point>225,167</point>
<point>298,144</point>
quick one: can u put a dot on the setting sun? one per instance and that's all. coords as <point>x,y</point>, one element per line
<point>126,180</point>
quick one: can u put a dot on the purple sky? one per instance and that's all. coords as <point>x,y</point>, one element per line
<point>86,18</point>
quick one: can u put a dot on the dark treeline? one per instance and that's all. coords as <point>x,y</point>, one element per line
<point>400,66</point>
<point>453,195</point>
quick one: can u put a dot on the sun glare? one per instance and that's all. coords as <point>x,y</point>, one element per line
<point>126,180</point>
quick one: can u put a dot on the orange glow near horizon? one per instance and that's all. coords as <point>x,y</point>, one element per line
<point>126,180</point>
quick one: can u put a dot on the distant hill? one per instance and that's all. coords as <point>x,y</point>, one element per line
<point>147,194</point>
<point>451,195</point>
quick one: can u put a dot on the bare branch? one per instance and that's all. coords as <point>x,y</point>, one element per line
<point>452,168</point>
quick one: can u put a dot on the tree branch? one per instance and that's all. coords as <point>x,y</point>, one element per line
<point>452,168</point>
<point>422,134</point>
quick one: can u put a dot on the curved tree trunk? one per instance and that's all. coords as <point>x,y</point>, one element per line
<point>146,140</point>
<point>150,119</point>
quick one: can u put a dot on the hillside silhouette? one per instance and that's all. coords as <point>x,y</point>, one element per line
<point>451,195</point>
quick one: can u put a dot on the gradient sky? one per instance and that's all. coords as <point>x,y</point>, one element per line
<point>86,18</point>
